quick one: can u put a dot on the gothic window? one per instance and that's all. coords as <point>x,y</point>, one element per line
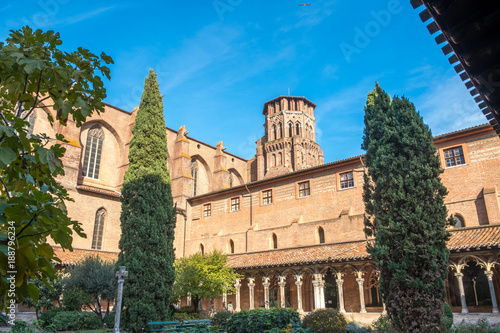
<point>93,150</point>
<point>30,120</point>
<point>202,249</point>
<point>194,174</point>
<point>290,130</point>
<point>297,129</point>
<point>275,133</point>
<point>273,160</point>
<point>100,216</point>
<point>280,131</point>
<point>275,241</point>
<point>280,158</point>
<point>374,290</point>
<point>321,235</point>
<point>231,246</point>
<point>459,221</point>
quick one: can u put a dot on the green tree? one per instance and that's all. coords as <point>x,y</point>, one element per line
<point>147,217</point>
<point>92,281</point>
<point>35,75</point>
<point>204,276</point>
<point>49,295</point>
<point>404,200</point>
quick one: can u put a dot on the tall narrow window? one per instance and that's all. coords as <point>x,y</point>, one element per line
<point>202,249</point>
<point>290,130</point>
<point>273,163</point>
<point>100,216</point>
<point>321,235</point>
<point>297,129</point>
<point>207,210</point>
<point>231,246</point>
<point>275,133</point>
<point>275,241</point>
<point>230,179</point>
<point>194,174</point>
<point>280,131</point>
<point>93,150</point>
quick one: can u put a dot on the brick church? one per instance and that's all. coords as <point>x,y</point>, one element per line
<point>291,224</point>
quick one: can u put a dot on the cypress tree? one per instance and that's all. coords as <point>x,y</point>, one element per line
<point>404,202</point>
<point>147,217</point>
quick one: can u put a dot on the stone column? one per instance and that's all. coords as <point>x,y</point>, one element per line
<point>237,285</point>
<point>251,288</point>
<point>340,288</point>
<point>224,300</point>
<point>266,284</point>
<point>361,294</point>
<point>282,284</point>
<point>121,275</point>
<point>298,283</point>
<point>489,275</point>
<point>460,280</point>
<point>188,299</point>
<point>319,293</point>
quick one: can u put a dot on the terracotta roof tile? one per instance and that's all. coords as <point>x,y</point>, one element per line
<point>68,258</point>
<point>461,239</point>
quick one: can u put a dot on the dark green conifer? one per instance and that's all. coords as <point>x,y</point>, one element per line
<point>147,217</point>
<point>404,201</point>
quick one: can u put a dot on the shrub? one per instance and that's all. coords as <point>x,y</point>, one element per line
<point>382,324</point>
<point>201,329</point>
<point>326,321</point>
<point>447,320</point>
<point>355,327</point>
<point>47,317</point>
<point>482,326</point>
<point>260,320</point>
<point>74,320</point>
<point>289,330</point>
<point>109,320</point>
<point>19,327</point>
<point>220,318</point>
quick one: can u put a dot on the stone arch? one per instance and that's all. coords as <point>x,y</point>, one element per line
<point>204,181</point>
<point>238,177</point>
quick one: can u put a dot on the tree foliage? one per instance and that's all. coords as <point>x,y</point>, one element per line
<point>404,200</point>
<point>204,276</point>
<point>147,217</point>
<point>49,295</point>
<point>36,76</point>
<point>94,279</point>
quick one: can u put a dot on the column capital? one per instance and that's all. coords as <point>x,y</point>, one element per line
<point>340,282</point>
<point>459,275</point>
<point>298,277</point>
<point>360,280</point>
<point>489,275</point>
<point>299,283</point>
<point>251,282</point>
<point>237,284</point>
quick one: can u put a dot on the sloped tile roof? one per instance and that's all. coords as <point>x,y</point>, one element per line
<point>69,258</point>
<point>472,238</point>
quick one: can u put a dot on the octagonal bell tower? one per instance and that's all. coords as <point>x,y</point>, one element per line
<point>289,143</point>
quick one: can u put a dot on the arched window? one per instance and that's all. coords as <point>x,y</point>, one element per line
<point>321,235</point>
<point>202,249</point>
<point>100,216</point>
<point>194,174</point>
<point>275,133</point>
<point>290,129</point>
<point>297,129</point>
<point>231,246</point>
<point>231,179</point>
<point>280,131</point>
<point>273,161</point>
<point>275,241</point>
<point>459,221</point>
<point>93,150</point>
<point>280,159</point>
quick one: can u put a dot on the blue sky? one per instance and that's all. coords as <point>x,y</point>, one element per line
<point>219,61</point>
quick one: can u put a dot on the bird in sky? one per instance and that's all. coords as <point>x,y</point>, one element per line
<point>305,4</point>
